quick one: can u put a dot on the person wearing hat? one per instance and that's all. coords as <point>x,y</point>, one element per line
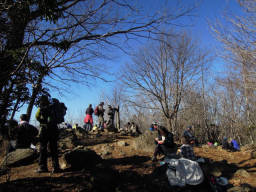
<point>189,136</point>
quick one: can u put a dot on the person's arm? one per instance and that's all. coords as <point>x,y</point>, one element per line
<point>162,140</point>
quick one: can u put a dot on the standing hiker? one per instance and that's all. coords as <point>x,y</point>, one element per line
<point>110,122</point>
<point>99,111</point>
<point>49,115</point>
<point>88,120</point>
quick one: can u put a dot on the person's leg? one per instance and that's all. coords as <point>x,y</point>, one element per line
<point>156,152</point>
<point>43,155</point>
<point>54,154</point>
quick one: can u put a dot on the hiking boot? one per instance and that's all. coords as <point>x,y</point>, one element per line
<point>42,170</point>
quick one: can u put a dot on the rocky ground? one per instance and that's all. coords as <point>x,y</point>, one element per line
<point>118,166</point>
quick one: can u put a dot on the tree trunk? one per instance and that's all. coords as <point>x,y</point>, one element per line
<point>36,89</point>
<point>15,108</point>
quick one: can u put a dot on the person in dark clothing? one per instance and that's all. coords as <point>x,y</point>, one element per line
<point>234,145</point>
<point>189,136</point>
<point>100,115</point>
<point>164,142</point>
<point>111,113</point>
<point>48,133</point>
<point>25,133</point>
<point>186,151</point>
<point>225,144</point>
<point>88,120</point>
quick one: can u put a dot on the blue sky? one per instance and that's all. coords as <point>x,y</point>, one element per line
<point>79,96</point>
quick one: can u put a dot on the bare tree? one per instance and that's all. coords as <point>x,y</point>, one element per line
<point>68,25</point>
<point>164,71</point>
<point>238,39</point>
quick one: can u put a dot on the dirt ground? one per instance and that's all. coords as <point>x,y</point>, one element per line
<point>124,169</point>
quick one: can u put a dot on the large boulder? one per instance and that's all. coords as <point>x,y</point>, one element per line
<point>80,158</point>
<point>19,157</point>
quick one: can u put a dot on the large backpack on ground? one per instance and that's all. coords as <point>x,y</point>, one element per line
<point>183,171</point>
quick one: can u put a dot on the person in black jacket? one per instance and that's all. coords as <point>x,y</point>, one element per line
<point>25,133</point>
<point>164,142</point>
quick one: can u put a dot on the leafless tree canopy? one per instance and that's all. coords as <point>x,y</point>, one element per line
<point>164,71</point>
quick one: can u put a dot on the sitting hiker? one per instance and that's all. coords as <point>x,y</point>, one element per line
<point>128,127</point>
<point>25,133</point>
<point>189,136</point>
<point>186,151</point>
<point>135,130</point>
<point>225,143</point>
<point>234,145</point>
<point>164,142</point>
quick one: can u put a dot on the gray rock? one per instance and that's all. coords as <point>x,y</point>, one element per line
<point>19,157</point>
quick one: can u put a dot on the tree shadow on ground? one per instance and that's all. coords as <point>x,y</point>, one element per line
<point>132,160</point>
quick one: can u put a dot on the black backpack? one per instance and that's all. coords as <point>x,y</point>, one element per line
<point>59,109</point>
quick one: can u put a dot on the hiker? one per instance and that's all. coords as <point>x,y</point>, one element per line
<point>128,127</point>
<point>164,142</point>
<point>225,144</point>
<point>48,115</point>
<point>88,120</point>
<point>134,129</point>
<point>25,133</point>
<point>186,151</point>
<point>189,136</point>
<point>99,111</point>
<point>111,113</point>
<point>234,145</point>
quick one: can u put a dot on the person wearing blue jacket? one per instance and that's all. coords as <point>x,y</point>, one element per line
<point>235,146</point>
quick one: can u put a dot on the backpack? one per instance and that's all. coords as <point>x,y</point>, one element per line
<point>96,111</point>
<point>59,110</point>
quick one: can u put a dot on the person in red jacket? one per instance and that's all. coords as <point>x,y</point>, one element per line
<point>88,120</point>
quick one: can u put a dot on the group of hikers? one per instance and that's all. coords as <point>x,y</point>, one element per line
<point>183,167</point>
<point>99,111</point>
<point>109,124</point>
<point>165,143</point>
<point>49,114</point>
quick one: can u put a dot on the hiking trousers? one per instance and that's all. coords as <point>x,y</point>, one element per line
<point>162,149</point>
<point>49,137</point>
<point>101,122</point>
